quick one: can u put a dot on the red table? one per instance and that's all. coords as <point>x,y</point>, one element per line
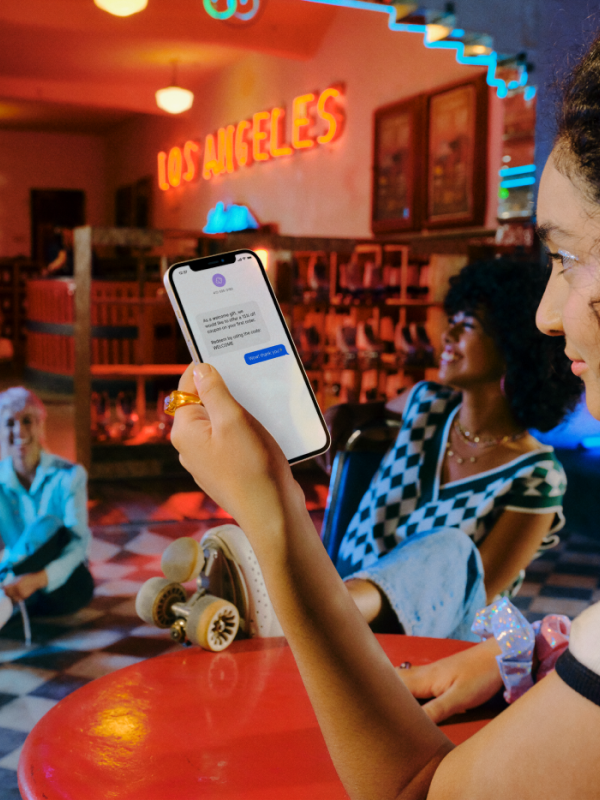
<point>194,724</point>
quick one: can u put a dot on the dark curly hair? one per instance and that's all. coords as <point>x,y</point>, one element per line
<point>504,295</point>
<point>577,143</point>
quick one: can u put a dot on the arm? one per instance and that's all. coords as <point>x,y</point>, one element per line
<point>382,744</point>
<point>75,518</point>
<point>510,546</point>
<point>458,683</point>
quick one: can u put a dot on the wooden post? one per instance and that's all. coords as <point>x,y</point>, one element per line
<point>83,344</point>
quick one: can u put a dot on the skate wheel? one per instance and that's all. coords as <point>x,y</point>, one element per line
<point>182,560</point>
<point>154,600</point>
<point>213,623</point>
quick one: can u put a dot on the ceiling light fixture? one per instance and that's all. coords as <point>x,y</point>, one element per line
<point>173,98</point>
<point>122,8</point>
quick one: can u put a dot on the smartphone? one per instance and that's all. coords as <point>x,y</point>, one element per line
<point>230,317</point>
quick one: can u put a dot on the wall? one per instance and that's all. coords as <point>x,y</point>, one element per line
<point>326,191</point>
<point>36,160</point>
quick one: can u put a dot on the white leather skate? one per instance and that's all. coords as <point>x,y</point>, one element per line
<point>231,591</point>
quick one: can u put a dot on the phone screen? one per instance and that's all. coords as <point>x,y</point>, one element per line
<point>235,323</point>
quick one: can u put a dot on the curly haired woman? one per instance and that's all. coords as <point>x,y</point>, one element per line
<point>466,496</point>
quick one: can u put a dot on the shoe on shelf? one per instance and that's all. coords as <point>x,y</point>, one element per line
<point>6,609</point>
<point>405,348</point>
<point>426,346</point>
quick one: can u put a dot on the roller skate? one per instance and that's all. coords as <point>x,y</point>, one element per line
<point>230,597</point>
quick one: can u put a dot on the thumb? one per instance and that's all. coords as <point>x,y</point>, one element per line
<point>444,706</point>
<point>213,392</point>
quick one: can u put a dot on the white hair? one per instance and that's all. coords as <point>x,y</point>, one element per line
<point>18,398</point>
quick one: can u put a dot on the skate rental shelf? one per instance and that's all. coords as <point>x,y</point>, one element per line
<point>366,317</point>
<point>237,725</point>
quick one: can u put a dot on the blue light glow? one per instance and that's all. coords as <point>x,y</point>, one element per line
<point>227,219</point>
<point>489,60</point>
<point>507,172</point>
<point>529,93</point>
<point>517,182</point>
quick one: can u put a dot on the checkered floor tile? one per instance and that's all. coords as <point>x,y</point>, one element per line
<point>132,524</point>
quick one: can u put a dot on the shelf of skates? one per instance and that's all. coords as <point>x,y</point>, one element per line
<point>360,321</point>
<point>362,315</point>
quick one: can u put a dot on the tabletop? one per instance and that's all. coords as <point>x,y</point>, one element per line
<point>195,724</point>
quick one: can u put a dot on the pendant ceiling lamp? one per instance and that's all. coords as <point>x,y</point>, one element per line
<point>173,98</point>
<point>122,8</point>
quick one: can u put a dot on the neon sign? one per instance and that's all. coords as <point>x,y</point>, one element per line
<point>226,219</point>
<point>317,119</point>
<point>244,10</point>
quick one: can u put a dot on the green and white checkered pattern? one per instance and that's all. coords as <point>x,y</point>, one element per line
<point>405,498</point>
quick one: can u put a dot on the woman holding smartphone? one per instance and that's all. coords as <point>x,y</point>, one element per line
<point>384,746</point>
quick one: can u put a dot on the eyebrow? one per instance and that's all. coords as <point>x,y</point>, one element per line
<point>548,229</point>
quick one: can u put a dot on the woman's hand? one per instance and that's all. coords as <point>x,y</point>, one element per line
<point>457,683</point>
<point>230,455</point>
<point>25,585</point>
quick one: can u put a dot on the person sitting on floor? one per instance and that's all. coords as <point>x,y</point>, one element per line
<point>466,497</point>
<point>43,516</point>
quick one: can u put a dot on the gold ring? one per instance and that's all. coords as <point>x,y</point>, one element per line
<point>177,399</point>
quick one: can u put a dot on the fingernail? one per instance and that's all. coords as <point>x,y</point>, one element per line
<point>202,370</point>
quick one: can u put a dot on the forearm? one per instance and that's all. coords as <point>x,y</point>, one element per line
<point>381,742</point>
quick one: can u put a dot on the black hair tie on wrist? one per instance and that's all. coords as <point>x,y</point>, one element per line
<point>579,677</point>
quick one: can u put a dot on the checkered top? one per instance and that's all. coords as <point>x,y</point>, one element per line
<point>405,496</point>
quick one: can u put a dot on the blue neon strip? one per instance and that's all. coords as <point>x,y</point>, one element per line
<point>529,93</point>
<point>490,60</point>
<point>508,172</point>
<point>517,182</point>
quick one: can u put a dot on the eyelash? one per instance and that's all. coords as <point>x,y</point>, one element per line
<point>557,257</point>
<point>464,323</point>
<point>562,257</point>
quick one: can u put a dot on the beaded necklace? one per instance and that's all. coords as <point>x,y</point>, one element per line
<point>477,441</point>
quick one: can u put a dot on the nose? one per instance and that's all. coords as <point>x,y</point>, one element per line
<point>450,335</point>
<point>549,314</point>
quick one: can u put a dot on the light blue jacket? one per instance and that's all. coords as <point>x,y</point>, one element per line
<point>56,498</point>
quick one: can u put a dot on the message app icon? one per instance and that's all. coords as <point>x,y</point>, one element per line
<point>218,279</point>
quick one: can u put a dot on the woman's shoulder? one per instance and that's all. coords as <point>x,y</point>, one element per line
<point>422,397</point>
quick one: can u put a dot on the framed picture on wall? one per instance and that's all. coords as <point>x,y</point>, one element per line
<point>397,166</point>
<point>456,156</point>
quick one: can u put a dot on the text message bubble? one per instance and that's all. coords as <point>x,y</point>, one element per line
<point>237,327</point>
<point>266,354</point>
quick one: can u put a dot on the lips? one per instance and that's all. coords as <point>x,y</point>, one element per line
<point>448,356</point>
<point>578,366</point>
